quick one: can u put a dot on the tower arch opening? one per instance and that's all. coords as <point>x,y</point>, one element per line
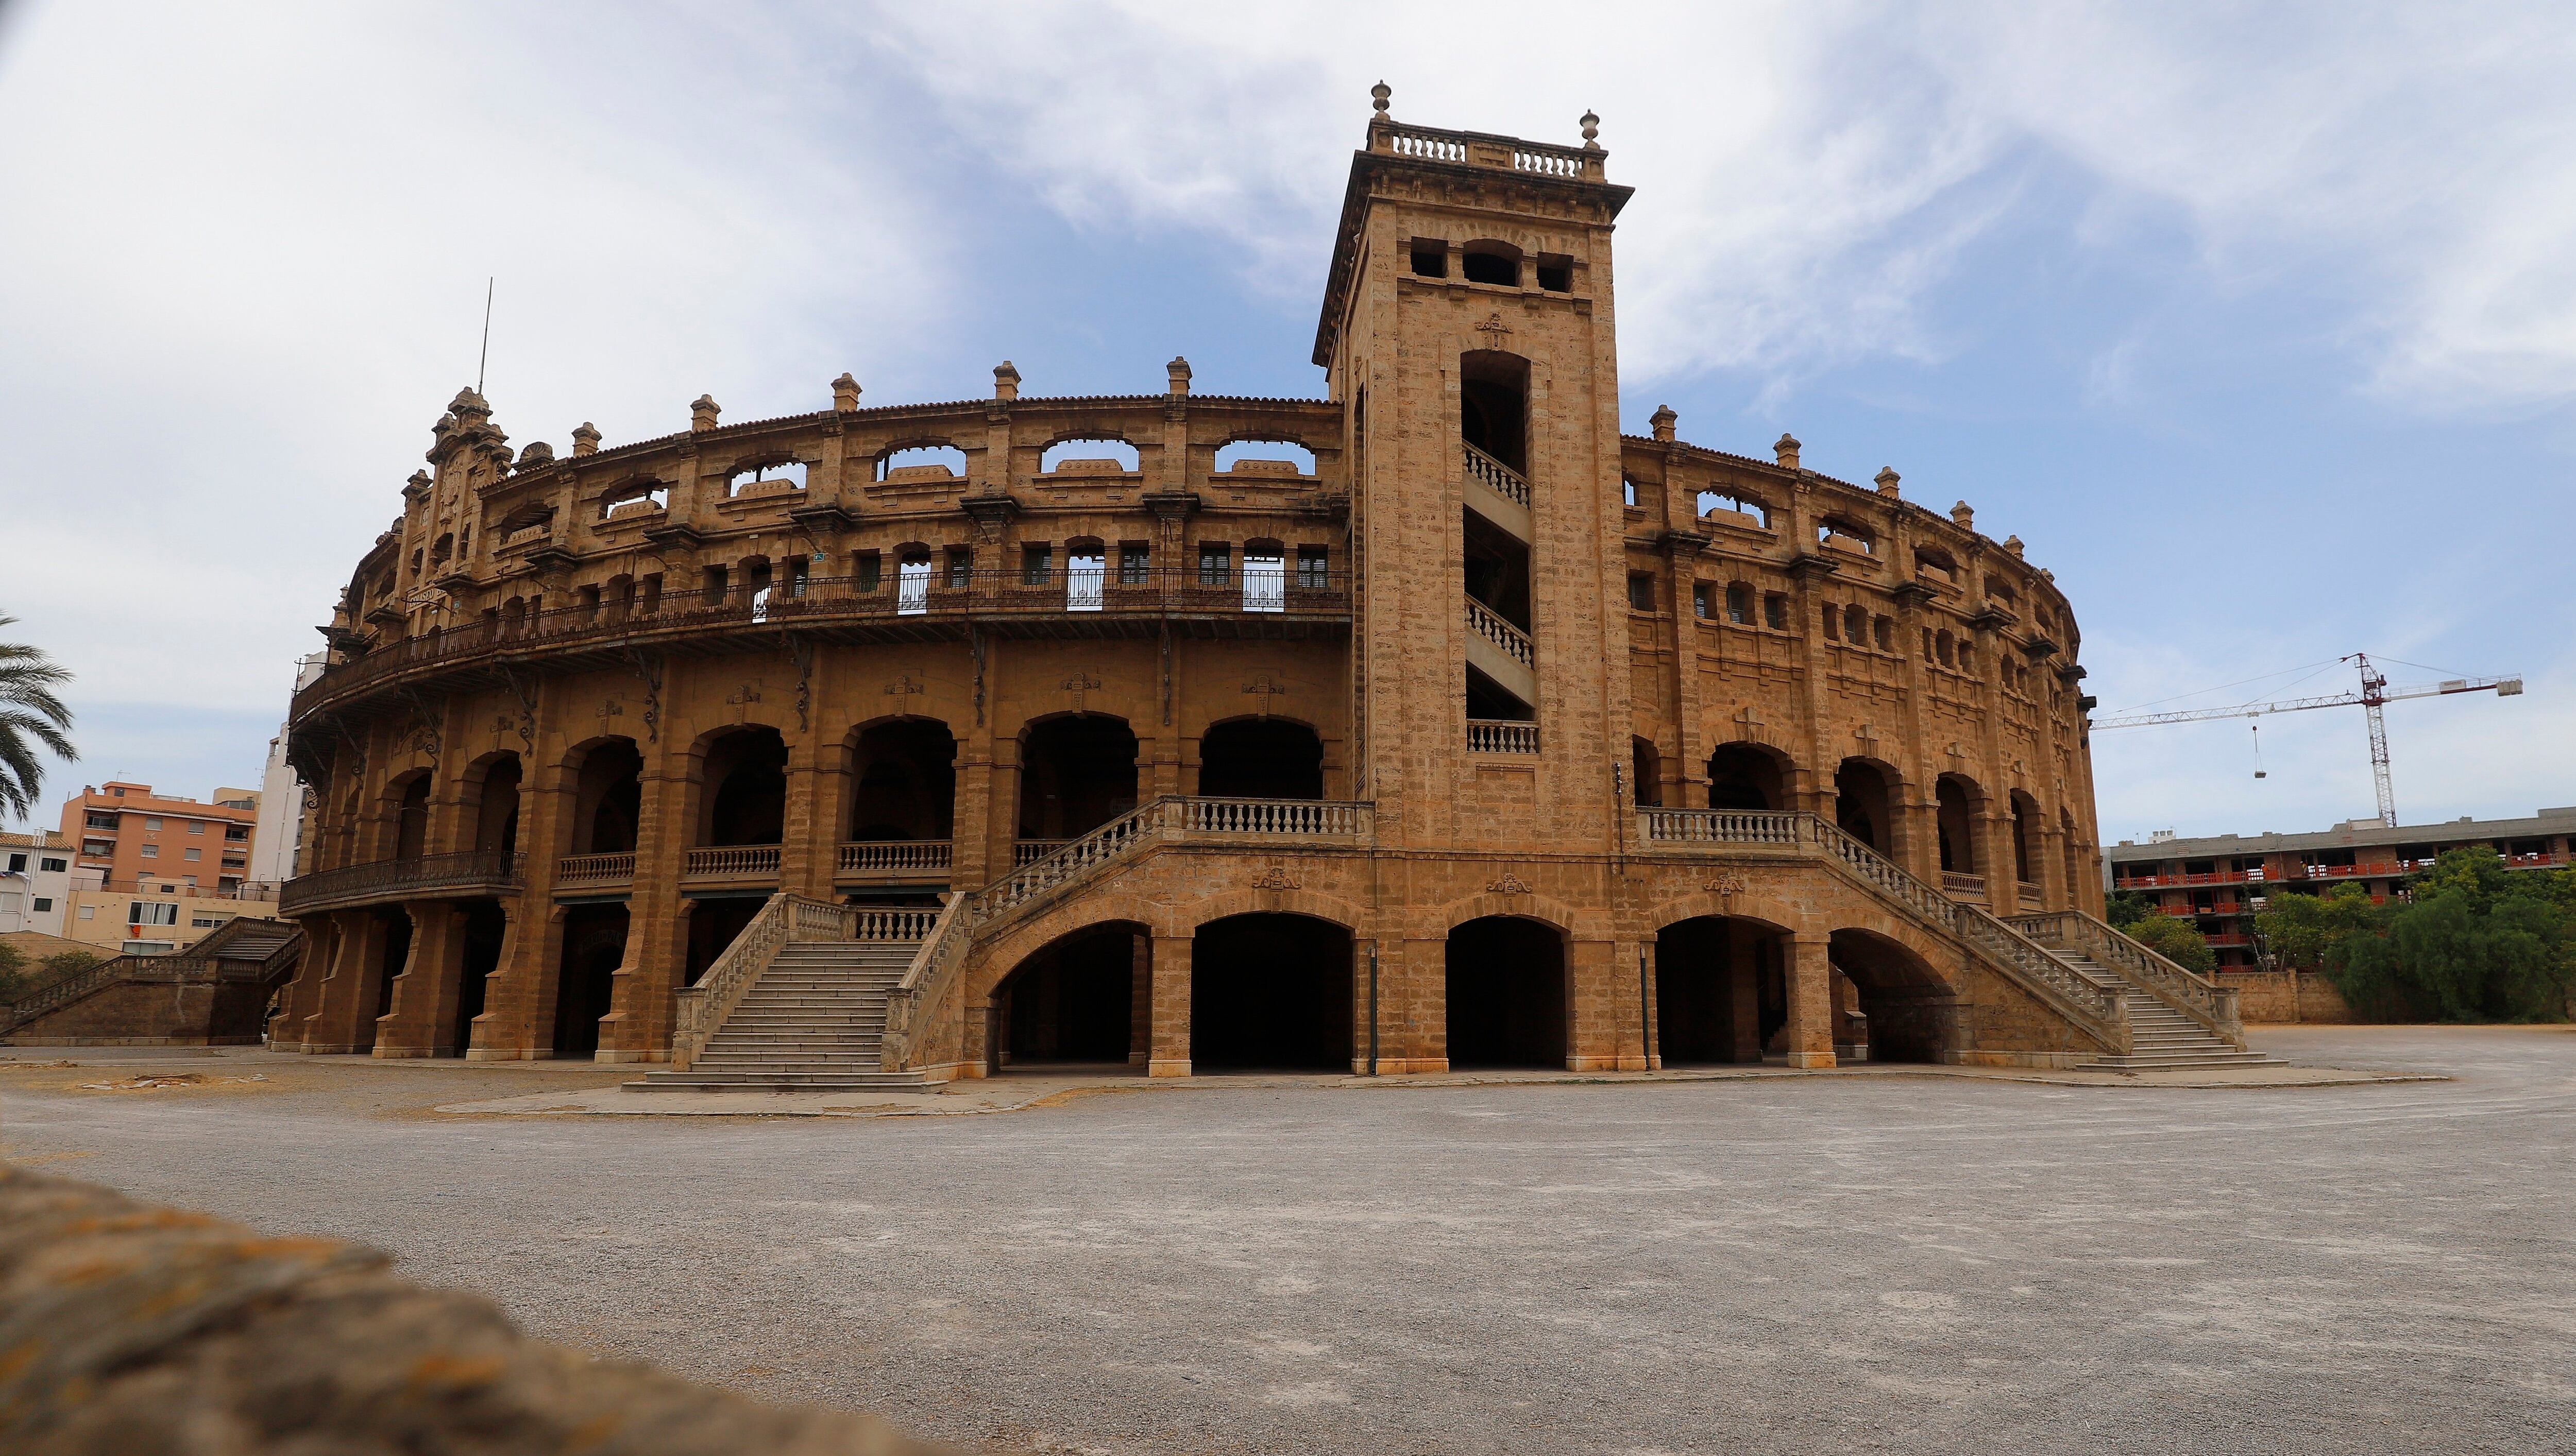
<point>608,797</point>
<point>746,788</point>
<point>1493,405</point>
<point>903,781</point>
<point>1073,1001</point>
<point>1865,802</point>
<point>1077,772</point>
<point>1747,776</point>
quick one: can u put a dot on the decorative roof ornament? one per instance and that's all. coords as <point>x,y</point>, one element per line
<point>702,414</point>
<point>1006,381</point>
<point>1377,100</point>
<point>1966,518</point>
<point>2013,544</point>
<point>1887,479</point>
<point>1178,372</point>
<point>585,439</point>
<point>1591,131</point>
<point>845,395</point>
<point>1663,420</point>
<point>1786,448</point>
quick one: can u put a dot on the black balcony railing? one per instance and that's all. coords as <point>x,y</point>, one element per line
<point>894,598</point>
<point>420,877</point>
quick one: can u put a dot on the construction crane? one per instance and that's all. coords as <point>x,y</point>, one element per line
<point>2374,694</point>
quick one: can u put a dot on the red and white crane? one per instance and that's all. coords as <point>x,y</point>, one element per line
<point>2374,694</point>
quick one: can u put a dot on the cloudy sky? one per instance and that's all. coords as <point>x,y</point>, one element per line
<point>2256,322</point>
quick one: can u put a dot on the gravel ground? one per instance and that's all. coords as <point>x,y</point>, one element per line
<point>1792,1265</point>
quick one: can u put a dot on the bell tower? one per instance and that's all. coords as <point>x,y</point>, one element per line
<point>1468,331</point>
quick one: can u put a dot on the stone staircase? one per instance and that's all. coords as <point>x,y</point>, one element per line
<point>813,1022</point>
<point>2161,1038</point>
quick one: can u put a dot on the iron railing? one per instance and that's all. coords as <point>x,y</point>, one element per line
<point>425,876</point>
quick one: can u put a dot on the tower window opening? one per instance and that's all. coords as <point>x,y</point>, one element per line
<point>961,568</point>
<point>1775,611</point>
<point>1132,558</point>
<point>1216,563</point>
<point>1314,568</point>
<point>1739,604</point>
<point>1699,600</point>
<point>1430,258</point>
<point>1883,633</point>
<point>1037,564</point>
<point>1492,263</point>
<point>1855,626</point>
<point>1721,504</point>
<point>1555,273</point>
<point>1641,591</point>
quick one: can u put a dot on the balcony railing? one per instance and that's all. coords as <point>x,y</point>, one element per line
<point>2029,895</point>
<point>1477,149</point>
<point>895,857</point>
<point>1030,851</point>
<point>890,599</point>
<point>1716,826</point>
<point>1290,818</point>
<point>1515,643</point>
<point>732,862</point>
<point>1497,477</point>
<point>420,877</point>
<point>1952,882</point>
<point>1500,735</point>
<point>576,870</point>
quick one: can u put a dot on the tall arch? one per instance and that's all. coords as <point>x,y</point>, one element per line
<point>1077,772</point>
<point>1720,995</point>
<point>1493,405</point>
<point>1074,1000</point>
<point>1506,990</point>
<point>1890,1004</point>
<point>1270,991</point>
<point>1865,798</point>
<point>492,802</point>
<point>607,798</point>
<point>1957,802</point>
<point>903,781</point>
<point>745,788</point>
<point>1745,775</point>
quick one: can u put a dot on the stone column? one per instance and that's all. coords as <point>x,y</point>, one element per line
<point>1413,1005</point>
<point>303,998</point>
<point>641,1002</point>
<point>1744,991</point>
<point>808,848</point>
<point>419,1023</point>
<point>348,997</point>
<point>1140,999</point>
<point>1170,1042</point>
<point>1811,1002</point>
<point>513,1026</point>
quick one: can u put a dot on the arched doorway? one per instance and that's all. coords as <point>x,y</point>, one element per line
<point>608,797</point>
<point>1270,991</point>
<point>1261,758</point>
<point>1073,1001</point>
<point>1077,773</point>
<point>1493,405</point>
<point>1506,994</point>
<point>483,929</point>
<point>715,919</point>
<point>495,786</point>
<point>746,788</point>
<point>1889,1006</point>
<point>903,781</point>
<point>1864,803</point>
<point>594,946</point>
<point>1955,799</point>
<point>1645,774</point>
<point>1719,994</point>
<point>411,819</point>
<point>1747,776</point>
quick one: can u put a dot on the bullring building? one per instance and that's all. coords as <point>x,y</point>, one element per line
<point>1426,724</point>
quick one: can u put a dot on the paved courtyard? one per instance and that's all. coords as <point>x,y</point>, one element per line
<point>1795,1264</point>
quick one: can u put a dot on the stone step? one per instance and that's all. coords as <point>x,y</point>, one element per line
<point>694,1081</point>
<point>2171,1063</point>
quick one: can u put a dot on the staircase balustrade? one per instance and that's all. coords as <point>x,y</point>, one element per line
<point>1715,826</point>
<point>1027,852</point>
<point>1486,623</point>
<point>2194,995</point>
<point>892,924</point>
<point>1497,477</point>
<point>783,918</point>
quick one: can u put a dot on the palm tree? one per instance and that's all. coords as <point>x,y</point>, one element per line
<point>30,715</point>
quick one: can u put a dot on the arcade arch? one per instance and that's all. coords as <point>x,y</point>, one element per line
<point>1270,991</point>
<point>1077,772</point>
<point>1261,758</point>
<point>1077,999</point>
<point>1506,993</point>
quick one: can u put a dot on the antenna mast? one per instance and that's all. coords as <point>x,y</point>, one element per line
<point>484,357</point>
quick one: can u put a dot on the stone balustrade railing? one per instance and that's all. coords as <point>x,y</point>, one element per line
<point>898,924</point>
<point>731,861</point>
<point>1486,623</point>
<point>2194,995</point>
<point>1959,884</point>
<point>1478,149</point>
<point>595,869</point>
<point>784,918</point>
<point>1501,479</point>
<point>895,856</point>
<point>1499,735</point>
<point>1026,852</point>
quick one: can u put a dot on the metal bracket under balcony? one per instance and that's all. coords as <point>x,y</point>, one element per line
<point>462,876</point>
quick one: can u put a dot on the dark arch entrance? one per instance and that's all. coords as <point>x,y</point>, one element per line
<point>608,796</point>
<point>904,781</point>
<point>1905,1012</point>
<point>714,920</point>
<point>1261,758</point>
<point>496,806</point>
<point>1073,1001</point>
<point>1719,995</point>
<point>594,945</point>
<point>1506,993</point>
<point>484,927</point>
<point>1076,773</point>
<point>1741,776</point>
<point>1954,802</point>
<point>1863,805</point>
<point>746,788</point>
<point>1270,991</point>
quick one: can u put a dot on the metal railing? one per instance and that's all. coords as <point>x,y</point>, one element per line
<point>948,596</point>
<point>731,861</point>
<point>1486,623</point>
<point>595,869</point>
<point>895,857</point>
<point>431,876</point>
<point>1499,735</point>
<point>1497,477</point>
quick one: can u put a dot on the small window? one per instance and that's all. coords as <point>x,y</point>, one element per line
<point>1314,571</point>
<point>1883,632</point>
<point>100,821</point>
<point>151,851</point>
<point>1947,647</point>
<point>1556,274</point>
<point>1641,591</point>
<point>1037,565</point>
<point>869,570</point>
<point>961,568</point>
<point>42,903</point>
<point>89,912</point>
<point>1430,258</point>
<point>193,854</point>
<point>1490,264</point>
<point>1133,557</point>
<point>1832,617</point>
<point>1855,626</point>
<point>1775,611</point>
<point>151,912</point>
<point>151,823</point>
<point>54,866</point>
<point>1216,563</point>
<point>1628,492</point>
<point>17,864</point>
<point>1739,604</point>
<point>1699,600</point>
<point>196,826</point>
<point>713,589</point>
<point>1967,658</point>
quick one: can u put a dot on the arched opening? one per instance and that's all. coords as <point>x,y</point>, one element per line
<point>495,788</point>
<point>1281,458</point>
<point>1864,803</point>
<point>2025,836</point>
<point>608,796</point>
<point>393,939</point>
<point>1261,758</point>
<point>1747,776</point>
<point>746,788</point>
<point>594,946</point>
<point>1506,994</point>
<point>1955,799</point>
<point>903,776</point>
<point>1493,405</point>
<point>1888,1005</point>
<point>1073,1001</point>
<point>1270,991</point>
<point>1496,263</point>
<point>411,818</point>
<point>1646,773</point>
<point>937,460</point>
<point>1719,996</point>
<point>1077,773</point>
<point>485,926</point>
<point>714,920</point>
<point>1089,455</point>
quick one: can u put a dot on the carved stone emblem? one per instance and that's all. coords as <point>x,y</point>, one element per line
<point>1275,878</point>
<point>1262,685</point>
<point>1509,884</point>
<point>903,685</point>
<point>1081,685</point>
<point>1729,885</point>
<point>1494,329</point>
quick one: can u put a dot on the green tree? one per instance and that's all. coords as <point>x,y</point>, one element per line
<point>2301,930</point>
<point>13,973</point>
<point>31,717</point>
<point>65,964</point>
<point>2175,940</point>
<point>2474,942</point>
<point>2125,908</point>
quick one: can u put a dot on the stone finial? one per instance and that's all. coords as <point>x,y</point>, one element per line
<point>1179,372</point>
<point>2013,545</point>
<point>1887,478</point>
<point>2047,574</point>
<point>537,453</point>
<point>1006,381</point>
<point>585,439</point>
<point>1377,99</point>
<point>468,403</point>
<point>1591,131</point>
<point>1662,419</point>
<point>1966,518</point>
<point>845,395</point>
<point>702,414</point>
<point>1786,447</point>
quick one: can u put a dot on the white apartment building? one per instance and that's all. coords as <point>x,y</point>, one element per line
<point>35,881</point>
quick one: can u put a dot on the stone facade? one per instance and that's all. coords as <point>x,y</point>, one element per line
<point>1431,721</point>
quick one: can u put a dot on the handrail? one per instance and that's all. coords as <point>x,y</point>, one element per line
<point>784,917</point>
<point>1485,622</point>
<point>71,988</point>
<point>925,982</point>
<point>2194,995</point>
<point>384,879</point>
<point>1501,479</point>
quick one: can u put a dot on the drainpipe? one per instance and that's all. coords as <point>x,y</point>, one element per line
<point>1372,1063</point>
